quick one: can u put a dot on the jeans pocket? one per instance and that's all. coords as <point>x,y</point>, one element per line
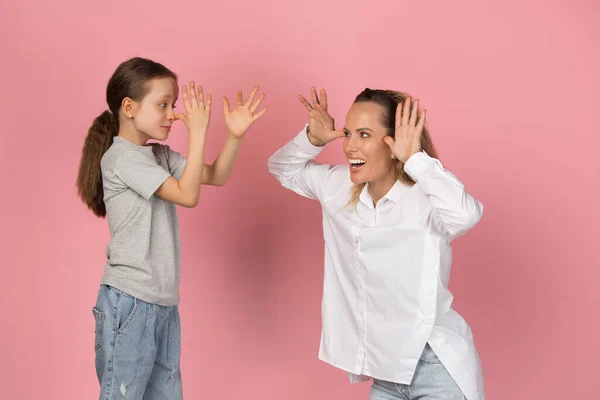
<point>98,328</point>
<point>127,307</point>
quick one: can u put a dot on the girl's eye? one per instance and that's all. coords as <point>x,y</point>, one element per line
<point>347,134</point>
<point>163,105</point>
<point>364,135</point>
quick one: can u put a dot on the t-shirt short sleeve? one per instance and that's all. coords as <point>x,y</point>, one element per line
<point>140,172</point>
<point>176,162</point>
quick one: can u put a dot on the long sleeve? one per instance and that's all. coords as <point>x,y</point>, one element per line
<point>454,210</point>
<point>293,166</point>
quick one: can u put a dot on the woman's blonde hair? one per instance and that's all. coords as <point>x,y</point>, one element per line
<point>389,100</point>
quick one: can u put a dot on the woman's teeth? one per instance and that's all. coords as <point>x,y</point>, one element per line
<point>356,164</point>
<point>357,161</point>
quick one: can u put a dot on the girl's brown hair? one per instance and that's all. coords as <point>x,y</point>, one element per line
<point>129,80</point>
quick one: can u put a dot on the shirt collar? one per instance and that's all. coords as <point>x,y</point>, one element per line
<point>395,193</point>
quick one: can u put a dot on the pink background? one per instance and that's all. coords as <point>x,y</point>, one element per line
<point>511,91</point>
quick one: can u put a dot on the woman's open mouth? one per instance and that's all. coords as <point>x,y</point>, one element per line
<point>356,164</point>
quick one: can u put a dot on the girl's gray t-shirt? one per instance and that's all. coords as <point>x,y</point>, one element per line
<point>143,255</point>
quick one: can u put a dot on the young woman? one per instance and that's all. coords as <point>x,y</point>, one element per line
<point>389,216</point>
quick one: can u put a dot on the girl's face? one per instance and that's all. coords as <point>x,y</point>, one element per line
<point>370,158</point>
<point>155,114</point>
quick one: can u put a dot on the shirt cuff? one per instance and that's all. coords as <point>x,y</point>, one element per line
<point>418,163</point>
<point>303,143</point>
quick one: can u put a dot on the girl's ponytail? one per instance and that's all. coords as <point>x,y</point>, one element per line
<point>89,181</point>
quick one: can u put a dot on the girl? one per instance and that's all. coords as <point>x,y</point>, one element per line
<point>136,185</point>
<point>388,218</point>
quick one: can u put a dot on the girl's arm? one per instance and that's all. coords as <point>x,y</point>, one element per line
<point>238,121</point>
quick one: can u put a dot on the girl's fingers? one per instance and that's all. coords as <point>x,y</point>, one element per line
<point>257,103</point>
<point>260,114</point>
<point>193,96</point>
<point>200,96</point>
<point>186,99</point>
<point>251,97</point>
<point>226,105</point>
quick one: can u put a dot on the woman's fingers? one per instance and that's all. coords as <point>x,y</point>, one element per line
<point>305,103</point>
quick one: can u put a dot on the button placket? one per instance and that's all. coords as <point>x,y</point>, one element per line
<point>361,303</point>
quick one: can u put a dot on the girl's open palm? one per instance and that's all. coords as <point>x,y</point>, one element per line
<point>241,118</point>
